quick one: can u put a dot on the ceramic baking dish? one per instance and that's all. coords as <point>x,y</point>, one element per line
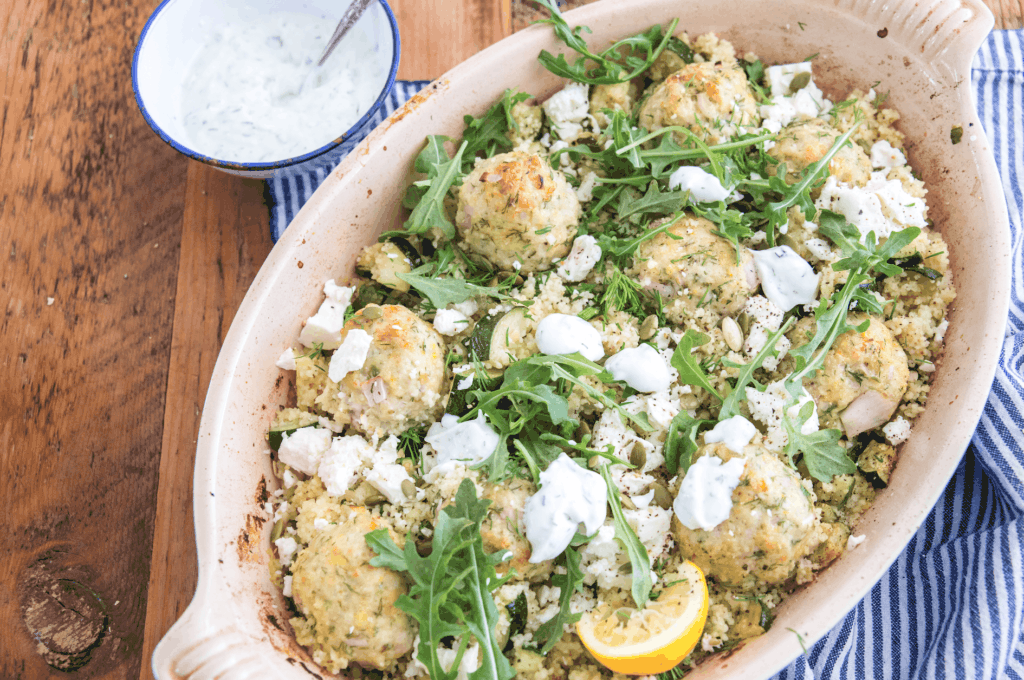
<point>920,52</point>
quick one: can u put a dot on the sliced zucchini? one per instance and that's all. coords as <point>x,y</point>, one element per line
<point>286,422</point>
<point>877,462</point>
<point>509,330</point>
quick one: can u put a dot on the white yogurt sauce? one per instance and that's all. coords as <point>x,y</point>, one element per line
<point>240,99</point>
<point>702,185</point>
<point>705,494</point>
<point>787,279</point>
<point>565,334</point>
<point>568,496</point>
<point>642,368</point>
<point>470,442</point>
<point>735,433</point>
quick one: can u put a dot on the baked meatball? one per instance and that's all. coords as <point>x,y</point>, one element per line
<point>515,208</point>
<point>693,268</point>
<point>504,529</point>
<point>348,605</point>
<point>771,527</point>
<point>807,141</point>
<point>712,101</point>
<point>401,382</point>
<point>863,378</point>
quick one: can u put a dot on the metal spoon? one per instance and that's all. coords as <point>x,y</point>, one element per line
<point>348,20</point>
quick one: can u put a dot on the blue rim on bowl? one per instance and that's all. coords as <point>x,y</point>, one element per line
<point>269,165</point>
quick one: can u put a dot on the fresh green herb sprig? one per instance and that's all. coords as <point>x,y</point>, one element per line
<point>532,400</point>
<point>624,534</point>
<point>442,291</point>
<point>622,61</point>
<point>452,588</point>
<point>426,197</point>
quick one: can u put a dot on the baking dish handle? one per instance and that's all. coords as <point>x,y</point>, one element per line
<point>204,644</point>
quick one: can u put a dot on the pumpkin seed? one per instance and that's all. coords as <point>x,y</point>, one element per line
<point>627,503</point>
<point>371,312</point>
<point>733,336</point>
<point>743,321</point>
<point>649,327</point>
<point>799,82</point>
<point>662,497</point>
<point>409,488</point>
<point>638,456</point>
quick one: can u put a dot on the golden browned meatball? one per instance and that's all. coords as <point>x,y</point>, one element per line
<point>401,382</point>
<point>515,208</point>
<point>694,269</point>
<point>712,101</point>
<point>863,378</point>
<point>348,605</point>
<point>772,524</point>
<point>806,142</point>
<point>504,529</point>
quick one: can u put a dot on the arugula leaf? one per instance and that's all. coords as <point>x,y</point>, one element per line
<point>441,291</point>
<point>690,371</point>
<point>624,534</point>
<point>550,632</point>
<point>452,590</point>
<point>441,172</point>
<point>622,61</point>
<point>489,133</point>
<point>824,457</point>
<point>681,441</point>
<point>654,201</point>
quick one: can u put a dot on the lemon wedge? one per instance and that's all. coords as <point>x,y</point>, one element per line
<point>654,639</point>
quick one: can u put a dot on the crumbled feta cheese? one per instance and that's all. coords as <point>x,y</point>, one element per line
<point>885,155</point>
<point>466,382</point>
<point>882,205</point>
<point>642,368</point>
<point>450,321</point>
<point>388,480</point>
<point>786,106</point>
<point>853,541</point>
<point>661,408</point>
<point>569,495</point>
<point>601,559</point>
<point>567,109</point>
<point>769,408</point>
<point>584,255</point>
<point>940,330</point>
<point>286,587</point>
<point>340,465</point>
<point>324,327</point>
<point>702,185</point>
<point>787,279</point>
<point>705,494</point>
<point>469,442</point>
<point>286,547</point>
<point>469,307</point>
<point>351,355</point>
<point>735,433</point>
<point>319,524</point>
<point>585,191</point>
<point>287,360</point>
<point>653,526</point>
<point>897,431</point>
<point>302,450</point>
<point>289,479</point>
<point>566,334</point>
<point>764,312</point>
<point>820,249</point>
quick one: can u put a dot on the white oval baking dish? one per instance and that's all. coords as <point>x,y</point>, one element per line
<point>236,626</point>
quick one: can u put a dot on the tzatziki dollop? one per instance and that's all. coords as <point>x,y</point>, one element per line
<point>566,334</point>
<point>787,279</point>
<point>705,494</point>
<point>241,98</point>
<point>569,496</point>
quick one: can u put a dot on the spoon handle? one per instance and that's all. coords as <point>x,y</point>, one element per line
<point>351,16</point>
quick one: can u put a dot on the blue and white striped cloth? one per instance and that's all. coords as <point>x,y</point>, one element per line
<point>952,605</point>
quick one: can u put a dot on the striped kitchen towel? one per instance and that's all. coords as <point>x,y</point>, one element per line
<point>952,605</point>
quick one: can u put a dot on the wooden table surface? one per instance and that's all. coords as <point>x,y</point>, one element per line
<point>121,265</point>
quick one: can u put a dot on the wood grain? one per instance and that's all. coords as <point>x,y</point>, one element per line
<point>90,208</point>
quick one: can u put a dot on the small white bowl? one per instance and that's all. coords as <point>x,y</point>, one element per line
<point>179,29</point>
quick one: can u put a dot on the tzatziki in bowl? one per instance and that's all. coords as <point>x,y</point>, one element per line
<point>236,85</point>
